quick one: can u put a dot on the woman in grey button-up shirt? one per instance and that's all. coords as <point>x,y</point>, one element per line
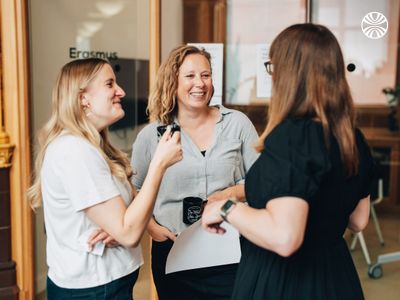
<point>217,152</point>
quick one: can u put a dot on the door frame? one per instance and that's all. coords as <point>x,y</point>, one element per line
<point>15,95</point>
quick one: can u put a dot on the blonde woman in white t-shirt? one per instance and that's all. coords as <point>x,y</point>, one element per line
<point>93,227</point>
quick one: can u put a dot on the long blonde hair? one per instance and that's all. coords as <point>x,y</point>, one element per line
<point>162,105</point>
<point>308,81</point>
<point>68,115</point>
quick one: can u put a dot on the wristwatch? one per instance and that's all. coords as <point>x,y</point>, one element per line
<point>228,206</point>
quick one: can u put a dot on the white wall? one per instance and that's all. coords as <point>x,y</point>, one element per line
<point>171,26</point>
<point>47,51</point>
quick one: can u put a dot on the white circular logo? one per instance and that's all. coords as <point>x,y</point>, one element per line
<point>374,25</point>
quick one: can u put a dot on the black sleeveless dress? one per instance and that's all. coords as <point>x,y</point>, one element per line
<point>296,162</point>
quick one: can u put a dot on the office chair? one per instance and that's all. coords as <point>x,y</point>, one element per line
<point>359,236</point>
<point>373,212</point>
<point>375,271</point>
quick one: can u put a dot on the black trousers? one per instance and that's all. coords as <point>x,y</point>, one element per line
<point>212,283</point>
<point>120,289</point>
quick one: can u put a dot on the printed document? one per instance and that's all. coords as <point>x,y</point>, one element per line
<point>197,248</point>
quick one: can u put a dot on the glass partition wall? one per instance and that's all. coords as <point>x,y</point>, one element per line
<point>375,59</point>
<point>117,30</point>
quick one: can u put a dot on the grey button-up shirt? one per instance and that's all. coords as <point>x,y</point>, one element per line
<point>225,164</point>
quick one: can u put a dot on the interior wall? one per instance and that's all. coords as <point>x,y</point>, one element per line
<point>171,26</point>
<point>43,57</point>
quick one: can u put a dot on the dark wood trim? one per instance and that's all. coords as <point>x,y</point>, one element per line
<point>398,54</point>
<point>8,282</point>
<point>309,10</point>
<point>374,116</point>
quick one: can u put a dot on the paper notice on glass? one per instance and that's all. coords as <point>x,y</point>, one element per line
<point>196,248</point>
<point>264,80</point>
<point>216,51</point>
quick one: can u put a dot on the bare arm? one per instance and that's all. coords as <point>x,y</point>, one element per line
<point>158,232</point>
<point>100,235</point>
<point>127,224</point>
<point>236,192</point>
<point>358,219</point>
<point>279,227</point>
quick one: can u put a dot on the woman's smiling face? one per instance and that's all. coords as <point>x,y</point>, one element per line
<point>102,99</point>
<point>194,82</point>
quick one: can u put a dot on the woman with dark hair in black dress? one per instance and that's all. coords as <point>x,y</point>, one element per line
<point>309,184</point>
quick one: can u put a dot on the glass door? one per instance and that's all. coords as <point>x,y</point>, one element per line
<point>117,30</point>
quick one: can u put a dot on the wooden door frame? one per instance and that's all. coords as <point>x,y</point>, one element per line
<point>15,80</point>
<point>155,58</point>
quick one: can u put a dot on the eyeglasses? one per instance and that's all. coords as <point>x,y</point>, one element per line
<point>269,67</point>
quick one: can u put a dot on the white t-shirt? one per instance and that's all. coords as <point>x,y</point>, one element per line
<point>75,176</point>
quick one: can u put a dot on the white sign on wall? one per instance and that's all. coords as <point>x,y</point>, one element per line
<point>264,80</point>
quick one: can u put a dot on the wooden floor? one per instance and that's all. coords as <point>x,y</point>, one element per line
<point>385,288</point>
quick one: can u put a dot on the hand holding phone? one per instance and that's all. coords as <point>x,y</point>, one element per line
<point>162,128</point>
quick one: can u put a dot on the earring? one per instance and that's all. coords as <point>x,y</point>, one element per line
<point>86,109</point>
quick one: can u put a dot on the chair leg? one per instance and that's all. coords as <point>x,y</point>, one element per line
<point>377,227</point>
<point>364,247</point>
<point>354,242</point>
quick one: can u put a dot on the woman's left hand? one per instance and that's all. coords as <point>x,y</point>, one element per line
<point>232,192</point>
<point>99,235</point>
<point>211,218</point>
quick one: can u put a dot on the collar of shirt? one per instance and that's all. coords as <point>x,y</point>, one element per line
<point>222,109</point>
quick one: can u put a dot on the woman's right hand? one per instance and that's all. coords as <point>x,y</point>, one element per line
<point>169,149</point>
<point>159,233</point>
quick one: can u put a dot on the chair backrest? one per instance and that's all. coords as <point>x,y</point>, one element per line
<point>379,197</point>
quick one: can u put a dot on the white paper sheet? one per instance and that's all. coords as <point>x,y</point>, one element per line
<point>196,248</point>
<point>98,248</point>
<point>264,81</point>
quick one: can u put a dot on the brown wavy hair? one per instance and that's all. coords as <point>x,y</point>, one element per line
<point>308,81</point>
<point>162,104</point>
<point>68,115</point>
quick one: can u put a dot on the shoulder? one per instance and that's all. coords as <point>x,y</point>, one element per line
<point>69,145</point>
<point>234,121</point>
<point>145,140</point>
<point>296,131</point>
<point>148,131</point>
<point>299,126</point>
<point>299,140</point>
<point>233,114</point>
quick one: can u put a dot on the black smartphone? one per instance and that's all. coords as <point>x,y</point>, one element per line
<point>162,128</point>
